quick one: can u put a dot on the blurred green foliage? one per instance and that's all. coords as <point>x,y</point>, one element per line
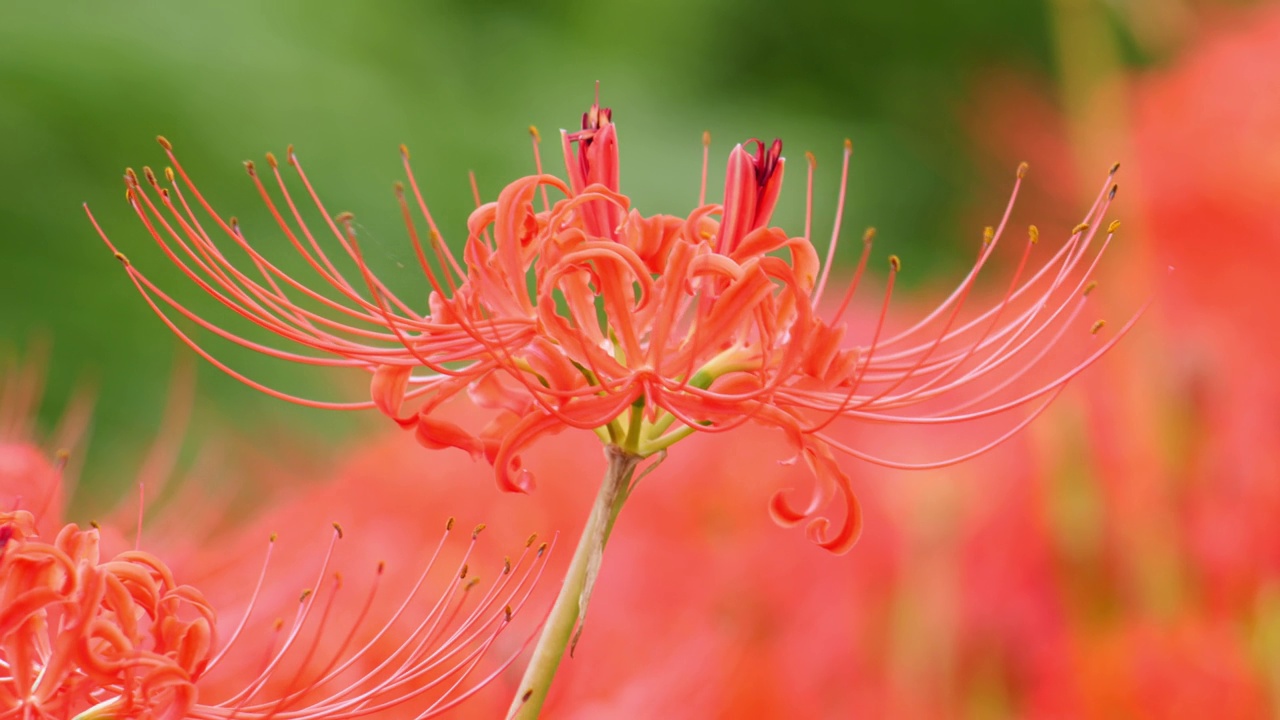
<point>85,87</point>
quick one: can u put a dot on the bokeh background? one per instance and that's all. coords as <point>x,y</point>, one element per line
<point>1119,559</point>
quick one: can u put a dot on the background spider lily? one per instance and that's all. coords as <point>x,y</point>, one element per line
<point>93,628</point>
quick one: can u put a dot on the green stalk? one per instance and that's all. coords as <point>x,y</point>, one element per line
<point>571,603</point>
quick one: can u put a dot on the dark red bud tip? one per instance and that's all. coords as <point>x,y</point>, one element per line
<point>766,160</point>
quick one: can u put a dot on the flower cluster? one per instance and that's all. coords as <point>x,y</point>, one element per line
<point>91,632</point>
<point>644,329</point>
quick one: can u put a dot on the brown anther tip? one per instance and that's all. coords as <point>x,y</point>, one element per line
<point>811,159</point>
<point>895,263</point>
<point>462,574</point>
<point>94,524</point>
<point>1113,226</point>
<point>868,235</point>
<point>532,539</point>
<point>1114,169</point>
<point>382,566</point>
<point>338,529</point>
<point>129,196</point>
<point>527,694</point>
<point>470,584</point>
<point>337,581</point>
<point>1033,233</point>
<point>248,166</point>
<point>62,455</point>
<point>541,549</point>
<point>1079,228</point>
<point>1089,288</point>
<point>398,187</point>
<point>164,193</point>
<point>506,565</point>
<point>448,525</point>
<point>1023,167</point>
<point>271,160</point>
<point>706,138</point>
<point>848,145</point>
<point>988,234</point>
<point>479,529</point>
<point>1097,326</point>
<point>404,151</point>
<point>164,142</point>
<point>130,175</point>
<point>305,594</point>
<point>537,136</point>
<point>234,222</point>
<point>1112,195</point>
<point>279,624</point>
<point>272,538</point>
<point>149,175</point>
<point>344,218</point>
<point>506,612</point>
<point>168,174</point>
<point>121,257</point>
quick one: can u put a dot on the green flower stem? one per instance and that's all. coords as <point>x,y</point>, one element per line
<point>571,603</point>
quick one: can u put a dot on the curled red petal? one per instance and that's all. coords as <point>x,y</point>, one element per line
<point>440,434</point>
<point>388,388</point>
<point>509,470</point>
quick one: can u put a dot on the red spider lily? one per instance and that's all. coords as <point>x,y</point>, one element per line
<point>584,313</point>
<point>89,633</point>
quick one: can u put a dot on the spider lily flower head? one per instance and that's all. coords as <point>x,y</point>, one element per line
<point>644,329</point>
<point>94,638</point>
<point>90,628</point>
